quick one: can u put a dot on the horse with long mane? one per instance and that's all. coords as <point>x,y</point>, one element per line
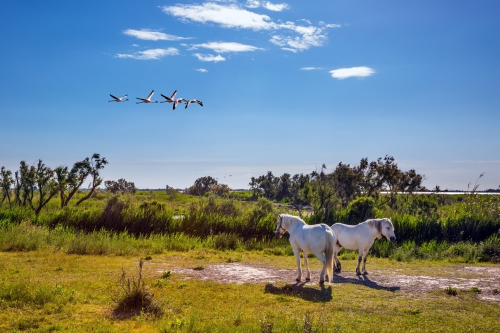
<point>317,239</point>
<point>361,237</point>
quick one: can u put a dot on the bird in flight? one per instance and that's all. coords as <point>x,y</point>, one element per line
<point>116,99</point>
<point>169,99</point>
<point>192,101</point>
<point>177,101</point>
<point>147,100</point>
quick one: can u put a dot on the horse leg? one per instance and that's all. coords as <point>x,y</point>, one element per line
<point>322,258</point>
<point>360,257</point>
<point>296,251</point>
<point>306,263</point>
<point>338,265</point>
<point>365,255</point>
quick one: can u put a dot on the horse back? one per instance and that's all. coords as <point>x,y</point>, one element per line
<point>352,237</point>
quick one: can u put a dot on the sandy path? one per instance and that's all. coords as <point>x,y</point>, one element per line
<point>486,278</point>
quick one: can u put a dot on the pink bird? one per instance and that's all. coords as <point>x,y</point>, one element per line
<point>116,99</point>
<point>192,101</point>
<point>147,100</point>
<point>177,101</point>
<point>169,99</point>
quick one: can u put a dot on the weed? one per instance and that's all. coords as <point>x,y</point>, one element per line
<point>412,311</point>
<point>450,291</point>
<point>165,275</point>
<point>475,290</point>
<point>199,268</point>
<point>134,297</point>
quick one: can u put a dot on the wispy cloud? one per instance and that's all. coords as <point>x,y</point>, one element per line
<point>202,70</point>
<point>222,47</point>
<point>306,37</point>
<point>275,7</point>
<point>146,34</point>
<point>228,15</point>
<point>209,57</point>
<point>266,4</point>
<point>310,68</point>
<point>253,3</point>
<point>289,36</point>
<point>151,54</point>
<point>344,73</point>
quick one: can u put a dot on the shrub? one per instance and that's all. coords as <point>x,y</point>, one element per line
<point>134,297</point>
<point>360,210</point>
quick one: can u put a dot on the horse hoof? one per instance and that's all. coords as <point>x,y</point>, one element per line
<point>322,282</point>
<point>298,280</point>
<point>308,279</point>
<point>358,273</point>
<point>365,273</point>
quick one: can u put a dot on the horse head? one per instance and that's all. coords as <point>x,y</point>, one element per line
<point>279,229</point>
<point>387,229</point>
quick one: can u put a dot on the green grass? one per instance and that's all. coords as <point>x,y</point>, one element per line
<point>44,291</point>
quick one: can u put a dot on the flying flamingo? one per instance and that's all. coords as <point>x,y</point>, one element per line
<point>147,100</point>
<point>116,99</point>
<point>177,101</point>
<point>192,101</point>
<point>169,99</point>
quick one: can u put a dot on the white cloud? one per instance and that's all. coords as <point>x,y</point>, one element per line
<point>310,68</point>
<point>344,73</point>
<point>222,47</point>
<point>151,54</point>
<point>147,34</point>
<point>291,37</point>
<point>307,37</point>
<point>275,7</point>
<point>135,45</point>
<point>332,25</point>
<point>253,4</point>
<point>209,57</point>
<point>202,70</point>
<point>228,16</point>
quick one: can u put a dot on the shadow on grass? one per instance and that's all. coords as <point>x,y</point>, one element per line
<point>364,280</point>
<point>299,290</point>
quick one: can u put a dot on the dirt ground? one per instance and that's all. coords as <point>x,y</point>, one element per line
<point>485,278</point>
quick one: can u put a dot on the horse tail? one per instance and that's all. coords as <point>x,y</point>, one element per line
<point>331,238</point>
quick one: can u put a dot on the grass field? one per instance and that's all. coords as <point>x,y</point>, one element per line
<point>77,269</point>
<point>49,290</point>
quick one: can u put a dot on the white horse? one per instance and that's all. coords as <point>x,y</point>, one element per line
<point>315,239</point>
<point>361,237</point>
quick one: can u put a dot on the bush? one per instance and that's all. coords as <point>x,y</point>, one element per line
<point>360,210</point>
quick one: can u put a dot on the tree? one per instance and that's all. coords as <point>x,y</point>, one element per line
<point>201,186</point>
<point>76,177</point>
<point>46,185</point>
<point>96,163</point>
<point>347,182</point>
<point>121,185</point>
<point>299,191</point>
<point>6,181</point>
<point>322,192</point>
<point>62,177</point>
<point>220,190</point>
<point>283,187</point>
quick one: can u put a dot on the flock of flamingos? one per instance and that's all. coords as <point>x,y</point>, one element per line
<point>170,99</point>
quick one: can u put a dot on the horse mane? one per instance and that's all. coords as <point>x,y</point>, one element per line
<point>376,223</point>
<point>292,217</point>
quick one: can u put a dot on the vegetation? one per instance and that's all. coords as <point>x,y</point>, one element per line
<point>78,241</point>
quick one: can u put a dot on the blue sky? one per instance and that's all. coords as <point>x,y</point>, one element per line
<point>286,87</point>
